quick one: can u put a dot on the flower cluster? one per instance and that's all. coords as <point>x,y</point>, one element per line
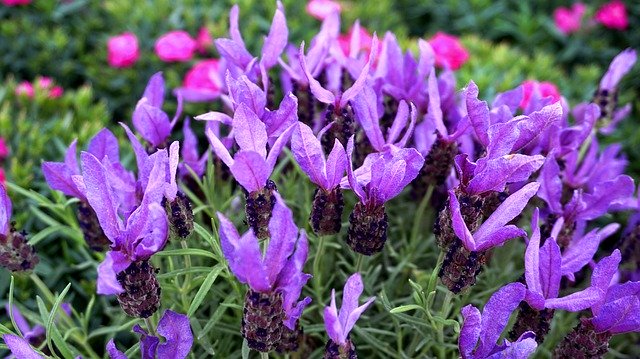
<point>42,85</point>
<point>612,15</point>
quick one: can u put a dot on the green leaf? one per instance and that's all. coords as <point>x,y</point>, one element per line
<point>186,252</point>
<point>204,289</point>
<point>406,308</point>
<point>50,320</point>
<point>245,349</point>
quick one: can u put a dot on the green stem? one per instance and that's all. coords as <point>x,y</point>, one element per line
<point>264,355</point>
<point>359,262</point>
<point>417,220</point>
<point>187,277</point>
<point>150,328</point>
<point>317,273</point>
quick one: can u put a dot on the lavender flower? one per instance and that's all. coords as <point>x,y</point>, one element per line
<point>20,347</point>
<point>382,177</point>
<point>15,253</point>
<point>328,202</point>
<point>606,96</point>
<point>173,327</point>
<point>251,166</point>
<point>191,160</point>
<point>480,332</point>
<point>126,270</point>
<point>544,267</point>
<point>339,324</point>
<point>275,279</point>
<point>466,252</point>
<point>63,176</point>
<point>149,119</point>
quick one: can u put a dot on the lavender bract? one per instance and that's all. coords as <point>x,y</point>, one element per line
<point>15,253</point>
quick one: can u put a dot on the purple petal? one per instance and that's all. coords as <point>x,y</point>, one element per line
<point>495,315</point>
<point>336,165</point>
<point>551,184</point>
<point>412,125</point>
<point>100,196</point>
<point>332,322</point>
<point>399,122</point>
<point>113,352</point>
<point>244,256</point>
<point>250,170</point>
<point>524,347</point>
<point>532,258</point>
<point>349,311</point>
<point>284,234</point>
<point>459,225</point>
<point>365,107</point>
<point>494,174</point>
<point>176,329</point>
<point>577,301</point>
<point>114,262</point>
<point>579,252</point>
<point>22,324</point>
<point>233,52</point>
<point>550,274</point>
<point>172,186</point>
<point>154,234</point>
<point>250,133</point>
<point>291,279</point>
<point>154,92</point>
<point>244,92</point>
<point>434,112</point>
<point>71,158</point>
<point>152,123</point>
<point>234,29</point>
<point>616,292</point>
<point>399,172</point>
<point>508,210</point>
<point>138,149</point>
<point>465,168</point>
<point>320,93</point>
<point>148,343</point>
<point>511,99</point>
<point>219,148</point>
<point>308,153</point>
<point>189,94</point>
<point>619,67</point>
<point>605,270</point>
<point>276,41</point>
<point>353,181</point>
<point>277,147</point>
<point>619,316</point>
<point>20,348</point>
<point>104,144</point>
<point>470,331</point>
<point>59,177</point>
<point>604,194</point>
<point>295,313</point>
<point>500,236</point>
<point>189,150</point>
<point>537,124</point>
<point>216,116</point>
<point>478,113</point>
<point>358,85</point>
<point>286,115</point>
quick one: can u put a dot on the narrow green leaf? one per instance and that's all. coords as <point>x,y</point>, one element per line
<point>186,252</point>
<point>52,317</point>
<point>406,308</point>
<point>204,289</point>
<point>61,344</point>
<point>245,349</point>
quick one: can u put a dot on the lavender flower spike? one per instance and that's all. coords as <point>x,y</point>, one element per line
<point>381,177</point>
<point>15,253</point>
<point>606,96</point>
<point>176,330</point>
<point>275,279</point>
<point>480,332</point>
<point>252,166</point>
<point>328,202</point>
<point>339,324</point>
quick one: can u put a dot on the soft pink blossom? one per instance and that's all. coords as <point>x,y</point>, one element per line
<point>568,20</point>
<point>15,2</point>
<point>320,9</point>
<point>44,82</point>
<point>56,92</point>
<point>544,88</point>
<point>344,40</point>
<point>204,40</point>
<point>175,46</point>
<point>122,50</point>
<point>25,88</point>
<point>3,178</point>
<point>613,15</point>
<point>4,149</point>
<point>449,51</point>
<point>202,83</point>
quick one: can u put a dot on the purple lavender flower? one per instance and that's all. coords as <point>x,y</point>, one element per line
<point>275,279</point>
<point>339,324</point>
<point>480,332</point>
<point>15,253</point>
<point>328,201</point>
<point>191,160</point>
<point>251,166</point>
<point>126,270</point>
<point>381,177</point>
<point>606,96</point>
<point>544,268</point>
<point>173,327</point>
<point>65,177</point>
<point>149,119</point>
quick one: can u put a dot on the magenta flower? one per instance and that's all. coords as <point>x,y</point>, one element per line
<point>275,278</point>
<point>4,149</point>
<point>202,83</point>
<point>321,9</point>
<point>176,331</point>
<point>122,50</point>
<point>568,20</point>
<point>357,40</point>
<point>449,51</point>
<point>148,118</point>
<point>16,2</point>
<point>175,46</point>
<point>204,40</point>
<point>480,332</point>
<point>613,15</point>
<point>339,324</point>
<point>25,88</point>
<point>540,90</point>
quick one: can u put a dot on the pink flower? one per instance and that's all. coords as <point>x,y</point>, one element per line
<point>449,51</point>
<point>204,40</point>
<point>3,178</point>
<point>175,46</point>
<point>44,82</point>
<point>203,82</point>
<point>613,15</point>
<point>544,88</point>
<point>122,50</point>
<point>320,9</point>
<point>25,88</point>
<point>344,40</point>
<point>4,149</point>
<point>568,20</point>
<point>56,92</point>
<point>16,2</point>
